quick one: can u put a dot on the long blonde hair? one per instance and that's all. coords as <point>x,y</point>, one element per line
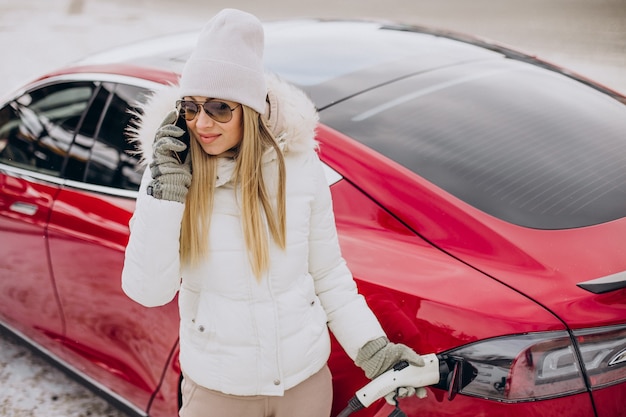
<point>258,213</point>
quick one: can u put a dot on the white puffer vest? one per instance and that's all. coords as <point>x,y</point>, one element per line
<point>239,335</point>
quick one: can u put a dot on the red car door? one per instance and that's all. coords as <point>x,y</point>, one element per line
<point>28,185</point>
<point>29,303</point>
<point>109,337</point>
<point>113,340</point>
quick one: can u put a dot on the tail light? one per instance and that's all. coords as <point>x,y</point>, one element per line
<point>603,352</point>
<point>537,366</point>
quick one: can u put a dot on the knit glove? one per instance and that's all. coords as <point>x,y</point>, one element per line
<point>171,177</point>
<point>379,355</point>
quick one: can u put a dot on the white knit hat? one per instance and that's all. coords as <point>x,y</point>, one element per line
<point>227,62</point>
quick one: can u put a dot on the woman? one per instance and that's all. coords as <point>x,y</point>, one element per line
<point>247,238</point>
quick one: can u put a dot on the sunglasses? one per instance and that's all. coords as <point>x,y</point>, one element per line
<point>216,110</point>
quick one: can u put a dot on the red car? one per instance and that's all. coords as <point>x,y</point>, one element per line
<point>479,193</point>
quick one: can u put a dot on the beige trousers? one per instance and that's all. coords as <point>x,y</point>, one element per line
<point>311,398</point>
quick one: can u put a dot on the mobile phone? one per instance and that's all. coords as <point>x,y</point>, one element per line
<point>180,122</point>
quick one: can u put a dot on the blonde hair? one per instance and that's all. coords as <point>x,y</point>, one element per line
<point>258,213</point>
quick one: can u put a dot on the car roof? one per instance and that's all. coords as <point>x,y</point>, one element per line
<point>330,59</point>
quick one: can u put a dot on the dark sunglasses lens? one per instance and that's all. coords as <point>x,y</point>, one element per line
<point>218,110</point>
<point>188,109</point>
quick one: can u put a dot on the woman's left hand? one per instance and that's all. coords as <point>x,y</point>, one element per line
<point>379,355</point>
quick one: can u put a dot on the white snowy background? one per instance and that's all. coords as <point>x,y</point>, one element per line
<point>587,36</point>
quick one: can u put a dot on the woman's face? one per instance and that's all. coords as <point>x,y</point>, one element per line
<point>215,137</point>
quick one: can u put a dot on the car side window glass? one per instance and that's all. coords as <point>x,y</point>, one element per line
<point>80,151</point>
<point>37,129</point>
<point>114,161</point>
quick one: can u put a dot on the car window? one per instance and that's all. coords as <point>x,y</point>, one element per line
<point>101,154</point>
<point>526,145</point>
<point>37,128</point>
<point>114,160</point>
<point>80,150</point>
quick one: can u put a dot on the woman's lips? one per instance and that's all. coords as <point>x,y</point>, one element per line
<point>209,138</point>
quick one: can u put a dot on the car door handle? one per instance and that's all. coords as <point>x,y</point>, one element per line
<point>24,208</point>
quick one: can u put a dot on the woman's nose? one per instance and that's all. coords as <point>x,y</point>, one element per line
<point>204,120</point>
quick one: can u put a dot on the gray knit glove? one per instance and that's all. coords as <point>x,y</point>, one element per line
<point>171,177</point>
<point>379,355</point>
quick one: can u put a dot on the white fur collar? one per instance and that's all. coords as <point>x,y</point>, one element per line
<point>292,117</point>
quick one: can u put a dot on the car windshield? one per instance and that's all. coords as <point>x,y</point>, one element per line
<point>529,146</point>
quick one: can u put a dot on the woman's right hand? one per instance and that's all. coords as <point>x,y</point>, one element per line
<point>171,177</point>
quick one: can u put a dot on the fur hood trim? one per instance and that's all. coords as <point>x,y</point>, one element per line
<point>290,115</point>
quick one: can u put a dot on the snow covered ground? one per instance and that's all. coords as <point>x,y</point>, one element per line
<point>39,35</point>
<point>31,387</point>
